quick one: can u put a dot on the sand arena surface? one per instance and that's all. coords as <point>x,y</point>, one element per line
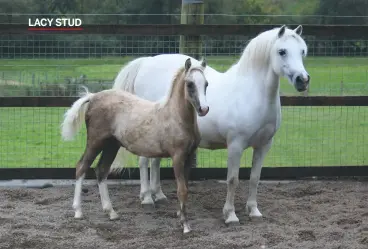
<point>297,215</point>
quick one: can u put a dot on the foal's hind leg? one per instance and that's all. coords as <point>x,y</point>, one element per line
<point>102,171</point>
<point>83,165</point>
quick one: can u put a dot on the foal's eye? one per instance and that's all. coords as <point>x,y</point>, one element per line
<point>282,52</point>
<point>303,52</point>
<point>206,85</point>
<point>190,84</point>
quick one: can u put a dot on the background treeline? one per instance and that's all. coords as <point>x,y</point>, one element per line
<point>166,12</point>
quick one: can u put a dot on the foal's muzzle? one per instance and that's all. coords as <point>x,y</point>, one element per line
<point>202,111</point>
<point>301,82</point>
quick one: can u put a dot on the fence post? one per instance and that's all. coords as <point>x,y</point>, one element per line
<point>192,12</point>
<point>33,83</point>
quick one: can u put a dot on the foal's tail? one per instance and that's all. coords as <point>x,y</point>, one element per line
<point>126,77</point>
<point>74,117</point>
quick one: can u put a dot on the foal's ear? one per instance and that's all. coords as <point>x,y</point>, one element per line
<point>188,64</point>
<point>203,62</point>
<point>282,31</point>
<point>299,30</point>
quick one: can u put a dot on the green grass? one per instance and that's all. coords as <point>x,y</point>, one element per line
<point>329,75</point>
<point>311,136</point>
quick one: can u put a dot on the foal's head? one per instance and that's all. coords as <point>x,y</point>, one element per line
<point>196,86</point>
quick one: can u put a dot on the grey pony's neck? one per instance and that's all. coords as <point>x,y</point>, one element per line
<point>272,85</point>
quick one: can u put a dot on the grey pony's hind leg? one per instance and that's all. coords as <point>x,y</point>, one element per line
<point>155,182</point>
<point>102,172</point>
<point>145,193</point>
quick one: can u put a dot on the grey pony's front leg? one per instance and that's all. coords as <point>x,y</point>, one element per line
<point>259,155</point>
<point>235,151</point>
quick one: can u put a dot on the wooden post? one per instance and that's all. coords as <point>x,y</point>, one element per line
<point>192,12</point>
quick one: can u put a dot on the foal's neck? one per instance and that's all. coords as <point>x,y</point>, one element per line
<point>180,106</point>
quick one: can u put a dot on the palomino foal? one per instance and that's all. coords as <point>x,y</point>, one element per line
<point>115,118</point>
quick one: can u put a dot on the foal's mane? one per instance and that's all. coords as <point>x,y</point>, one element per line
<point>257,53</point>
<point>177,79</point>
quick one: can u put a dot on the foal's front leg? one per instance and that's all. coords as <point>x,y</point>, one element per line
<point>155,182</point>
<point>182,190</point>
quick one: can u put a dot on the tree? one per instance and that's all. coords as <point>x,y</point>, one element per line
<point>355,8</point>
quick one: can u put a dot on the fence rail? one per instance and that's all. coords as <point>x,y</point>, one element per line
<point>285,101</point>
<point>336,31</point>
<point>196,174</point>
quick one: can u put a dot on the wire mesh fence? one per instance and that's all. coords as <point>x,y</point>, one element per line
<point>42,46</point>
<point>56,65</point>
<point>48,64</point>
<point>309,136</point>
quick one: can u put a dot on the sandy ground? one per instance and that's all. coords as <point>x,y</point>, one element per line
<point>297,215</point>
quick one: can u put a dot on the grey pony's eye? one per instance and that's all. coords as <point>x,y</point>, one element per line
<point>190,84</point>
<point>282,52</point>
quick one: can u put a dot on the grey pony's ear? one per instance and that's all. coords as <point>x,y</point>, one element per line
<point>188,64</point>
<point>203,62</point>
<point>281,31</point>
<point>299,30</point>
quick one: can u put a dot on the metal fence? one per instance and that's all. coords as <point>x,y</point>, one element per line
<point>333,133</point>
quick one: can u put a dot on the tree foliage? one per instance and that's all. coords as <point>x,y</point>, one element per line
<point>291,12</point>
<point>242,11</point>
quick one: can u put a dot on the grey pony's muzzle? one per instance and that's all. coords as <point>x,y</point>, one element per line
<point>301,82</point>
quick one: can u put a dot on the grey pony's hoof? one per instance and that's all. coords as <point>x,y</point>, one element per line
<point>148,206</point>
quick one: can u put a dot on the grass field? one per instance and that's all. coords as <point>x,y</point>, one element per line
<point>329,75</point>
<point>309,136</point>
